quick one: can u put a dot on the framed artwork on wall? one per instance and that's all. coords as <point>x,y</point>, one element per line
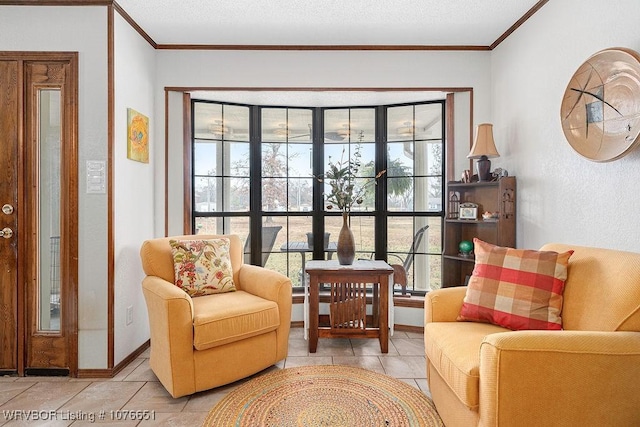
<point>137,136</point>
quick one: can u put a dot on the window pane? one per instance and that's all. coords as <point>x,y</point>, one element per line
<point>400,159</point>
<point>335,153</point>
<point>218,194</point>
<point>223,225</point>
<point>428,121</point>
<point>236,122</point>
<point>362,125</point>
<point>336,126</point>
<point>416,249</point>
<point>207,193</point>
<point>340,156</point>
<point>400,123</point>
<point>300,158</point>
<point>236,194</point>
<point>205,156</point>
<point>274,124</point>
<point>274,194</point>
<point>294,232</point>
<point>299,125</point>
<point>274,159</point>
<point>428,156</point>
<point>207,120</point>
<point>428,194</point>
<point>434,157</point>
<point>300,194</point>
<point>237,154</point>
<point>400,193</point>
<point>367,159</point>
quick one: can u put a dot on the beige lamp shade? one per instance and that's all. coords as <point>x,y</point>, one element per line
<point>483,144</point>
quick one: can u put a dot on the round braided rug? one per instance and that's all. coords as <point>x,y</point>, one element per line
<point>325,395</point>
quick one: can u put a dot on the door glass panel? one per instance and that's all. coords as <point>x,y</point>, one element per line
<point>49,205</point>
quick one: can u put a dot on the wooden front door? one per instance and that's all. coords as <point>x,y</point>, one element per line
<point>39,215</point>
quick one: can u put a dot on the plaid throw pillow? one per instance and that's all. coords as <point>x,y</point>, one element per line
<point>202,267</point>
<point>515,288</point>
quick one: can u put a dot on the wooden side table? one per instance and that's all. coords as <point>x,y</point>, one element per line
<point>347,304</point>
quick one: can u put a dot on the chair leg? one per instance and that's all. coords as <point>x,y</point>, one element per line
<point>400,278</point>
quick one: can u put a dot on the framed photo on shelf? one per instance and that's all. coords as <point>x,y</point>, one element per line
<point>468,211</point>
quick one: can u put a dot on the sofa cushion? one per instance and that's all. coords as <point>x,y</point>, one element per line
<point>516,288</point>
<point>202,267</point>
<point>453,348</point>
<point>224,318</point>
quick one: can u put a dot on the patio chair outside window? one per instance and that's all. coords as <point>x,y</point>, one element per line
<point>269,235</point>
<point>400,271</point>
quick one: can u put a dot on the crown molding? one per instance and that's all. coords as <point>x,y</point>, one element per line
<point>258,47</point>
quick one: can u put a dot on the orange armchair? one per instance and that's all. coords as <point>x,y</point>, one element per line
<point>208,341</point>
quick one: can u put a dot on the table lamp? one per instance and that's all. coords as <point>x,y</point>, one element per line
<point>483,149</point>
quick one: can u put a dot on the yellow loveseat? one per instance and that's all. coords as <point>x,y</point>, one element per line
<point>588,374</point>
<point>204,342</point>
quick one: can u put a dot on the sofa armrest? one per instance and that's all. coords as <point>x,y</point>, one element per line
<point>171,328</point>
<point>443,305</point>
<point>563,377</point>
<point>273,286</point>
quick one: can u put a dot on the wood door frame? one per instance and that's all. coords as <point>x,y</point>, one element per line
<point>69,205</point>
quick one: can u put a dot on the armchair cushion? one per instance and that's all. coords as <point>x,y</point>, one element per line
<point>224,318</point>
<point>516,288</point>
<point>453,348</point>
<point>202,267</point>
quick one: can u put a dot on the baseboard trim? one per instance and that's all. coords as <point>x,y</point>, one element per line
<point>409,328</point>
<point>110,373</point>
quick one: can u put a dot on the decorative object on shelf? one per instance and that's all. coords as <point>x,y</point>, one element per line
<point>466,248</point>
<point>483,148</point>
<point>454,205</point>
<point>466,176</point>
<point>600,109</point>
<point>490,216</point>
<point>468,210</point>
<point>499,173</point>
<point>345,193</point>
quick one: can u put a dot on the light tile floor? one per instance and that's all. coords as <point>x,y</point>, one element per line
<point>63,401</point>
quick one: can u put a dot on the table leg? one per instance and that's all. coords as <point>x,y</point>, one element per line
<point>375,304</point>
<point>314,311</point>
<point>384,314</point>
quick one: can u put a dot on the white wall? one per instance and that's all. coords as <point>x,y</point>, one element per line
<point>562,196</point>
<point>82,29</point>
<point>134,70</point>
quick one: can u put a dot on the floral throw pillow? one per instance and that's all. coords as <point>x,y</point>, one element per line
<point>516,288</point>
<point>202,267</point>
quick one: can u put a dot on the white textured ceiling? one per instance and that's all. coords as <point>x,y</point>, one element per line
<point>326,22</point>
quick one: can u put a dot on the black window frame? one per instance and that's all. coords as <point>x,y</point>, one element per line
<point>381,214</point>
